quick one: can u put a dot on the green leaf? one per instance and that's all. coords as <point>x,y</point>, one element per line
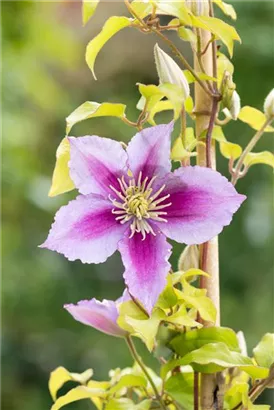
<point>61,181</point>
<point>214,357</point>
<point>175,95</point>
<point>255,118</point>
<point>128,380</point>
<point>153,94</point>
<point>180,388</point>
<point>197,299</point>
<point>223,31</point>
<point>235,395</point>
<point>61,375</point>
<point>223,65</point>
<point>182,318</point>
<point>141,9</point>
<point>158,107</point>
<point>91,109</point>
<point>110,28</point>
<point>136,322</point>
<point>202,76</point>
<point>181,276</point>
<point>264,157</point>
<point>88,9</point>
<point>194,339</point>
<point>176,9</point>
<point>187,34</point>
<point>264,351</point>
<point>227,9</point>
<point>79,393</point>
<point>167,298</point>
<point>217,134</point>
<point>127,404</point>
<point>230,150</point>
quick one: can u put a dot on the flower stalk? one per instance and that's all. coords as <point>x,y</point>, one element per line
<point>138,360</point>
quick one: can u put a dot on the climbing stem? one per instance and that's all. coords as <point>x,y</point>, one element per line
<point>138,360</point>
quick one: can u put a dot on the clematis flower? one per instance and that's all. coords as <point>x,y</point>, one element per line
<point>100,315</point>
<point>131,201</point>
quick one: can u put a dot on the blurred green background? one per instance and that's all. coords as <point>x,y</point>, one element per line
<point>45,78</point>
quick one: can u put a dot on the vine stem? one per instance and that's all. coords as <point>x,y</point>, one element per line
<point>248,148</point>
<point>138,359</point>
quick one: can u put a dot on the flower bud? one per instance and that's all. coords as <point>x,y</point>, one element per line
<point>269,104</point>
<point>198,7</point>
<point>234,106</point>
<point>242,343</point>
<point>169,71</point>
<point>189,258</point>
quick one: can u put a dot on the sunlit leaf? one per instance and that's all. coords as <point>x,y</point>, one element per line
<point>202,76</point>
<point>223,65</point>
<point>78,393</point>
<point>176,9</point>
<point>255,118</point>
<point>190,273</point>
<point>230,150</point>
<point>197,299</point>
<point>128,380</point>
<point>182,317</point>
<point>167,298</point>
<point>110,28</point>
<point>227,9</point>
<point>223,31</point>
<point>194,339</point>
<point>153,94</point>
<point>127,404</point>
<point>91,109</point>
<point>137,323</point>
<point>88,9</point>
<point>180,388</point>
<point>159,107</point>
<point>142,9</point>
<point>61,181</point>
<point>217,134</point>
<point>264,157</point>
<point>264,351</point>
<point>187,34</point>
<point>61,375</point>
<point>235,395</point>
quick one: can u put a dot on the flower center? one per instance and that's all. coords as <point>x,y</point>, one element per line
<point>139,204</point>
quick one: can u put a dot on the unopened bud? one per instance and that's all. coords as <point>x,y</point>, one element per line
<point>242,343</point>
<point>234,106</point>
<point>269,105</point>
<point>169,71</point>
<point>198,7</point>
<point>189,258</point>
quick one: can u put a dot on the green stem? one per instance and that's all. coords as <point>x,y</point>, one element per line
<point>248,148</point>
<point>138,359</point>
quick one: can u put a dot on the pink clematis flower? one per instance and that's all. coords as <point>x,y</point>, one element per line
<point>100,315</point>
<point>131,201</point>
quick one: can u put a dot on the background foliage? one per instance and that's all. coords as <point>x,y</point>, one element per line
<point>45,78</point>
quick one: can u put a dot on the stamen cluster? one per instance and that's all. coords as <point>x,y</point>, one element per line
<point>137,204</point>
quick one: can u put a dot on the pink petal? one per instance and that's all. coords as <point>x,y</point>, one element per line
<point>96,163</point>
<point>203,202</point>
<point>100,315</point>
<point>146,266</point>
<point>149,151</point>
<point>85,229</point>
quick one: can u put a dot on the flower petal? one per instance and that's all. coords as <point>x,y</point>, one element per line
<point>149,151</point>
<point>96,163</point>
<point>85,229</point>
<point>202,203</point>
<point>146,266</point>
<point>100,315</point>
